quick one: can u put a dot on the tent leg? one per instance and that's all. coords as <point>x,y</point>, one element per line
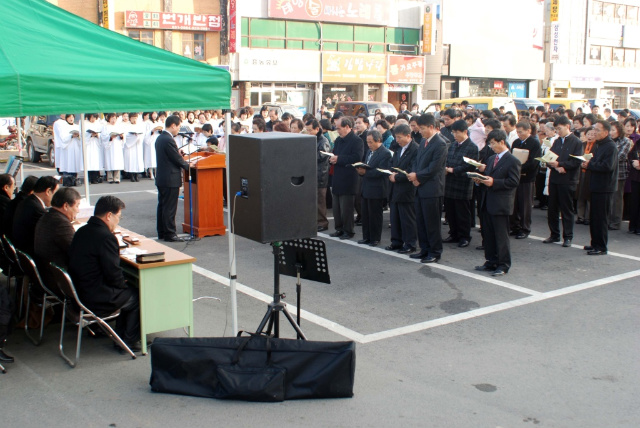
<point>84,160</point>
<point>232,238</point>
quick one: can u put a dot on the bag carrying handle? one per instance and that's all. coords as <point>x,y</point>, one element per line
<point>236,357</point>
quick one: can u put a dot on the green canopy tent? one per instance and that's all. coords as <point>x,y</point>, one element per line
<point>54,62</point>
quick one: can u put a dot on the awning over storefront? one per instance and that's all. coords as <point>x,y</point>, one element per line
<point>53,62</point>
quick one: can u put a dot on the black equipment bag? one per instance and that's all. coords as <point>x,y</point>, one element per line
<point>256,368</point>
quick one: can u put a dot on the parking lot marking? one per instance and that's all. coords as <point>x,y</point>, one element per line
<point>457,271</point>
<point>581,247</point>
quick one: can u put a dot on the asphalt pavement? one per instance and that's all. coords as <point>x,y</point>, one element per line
<point>553,343</point>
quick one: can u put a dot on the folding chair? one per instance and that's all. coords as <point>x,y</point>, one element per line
<point>35,280</point>
<point>80,315</point>
<point>14,269</point>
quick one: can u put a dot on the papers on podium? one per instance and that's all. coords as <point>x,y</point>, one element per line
<point>548,157</point>
<point>189,148</point>
<point>476,175</point>
<point>472,161</point>
<point>521,154</point>
<point>583,158</point>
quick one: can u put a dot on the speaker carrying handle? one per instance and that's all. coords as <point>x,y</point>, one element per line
<point>297,181</point>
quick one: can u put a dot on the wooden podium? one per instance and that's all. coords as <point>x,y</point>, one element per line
<point>207,192</point>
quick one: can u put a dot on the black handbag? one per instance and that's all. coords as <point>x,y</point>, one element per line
<point>255,368</point>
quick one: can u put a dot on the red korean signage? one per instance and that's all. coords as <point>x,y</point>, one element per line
<point>233,26</point>
<point>369,12</point>
<point>172,21</point>
<point>498,84</point>
<point>406,69</point>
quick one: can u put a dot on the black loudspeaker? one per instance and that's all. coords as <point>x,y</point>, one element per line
<point>276,176</point>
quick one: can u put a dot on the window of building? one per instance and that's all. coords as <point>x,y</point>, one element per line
<point>596,9</point>
<point>609,12</point>
<point>632,15</point>
<point>629,57</point>
<point>142,36</point>
<point>193,46</point>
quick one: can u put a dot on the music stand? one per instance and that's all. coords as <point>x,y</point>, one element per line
<point>301,258</point>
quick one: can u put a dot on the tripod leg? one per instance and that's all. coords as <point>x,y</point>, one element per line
<point>267,317</point>
<point>295,326</point>
<point>298,291</point>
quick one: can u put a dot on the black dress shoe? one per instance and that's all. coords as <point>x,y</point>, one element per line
<point>483,268</point>
<point>393,247</point>
<point>597,253</point>
<point>450,239</point>
<point>551,240</point>
<point>419,255</point>
<point>336,234</point>
<point>4,358</point>
<point>374,243</point>
<point>614,227</point>
<point>566,243</point>
<point>480,247</point>
<point>364,241</point>
<point>579,221</point>
<point>406,250</point>
<point>499,272</point>
<point>586,223</point>
<point>322,228</point>
<point>588,248</point>
<point>346,235</point>
<point>175,238</point>
<point>514,233</point>
<point>358,223</point>
<point>430,259</point>
<point>522,235</point>
<point>463,243</point>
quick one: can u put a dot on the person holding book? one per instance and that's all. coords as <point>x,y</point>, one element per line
<point>313,128</point>
<point>133,150</point>
<point>93,144</point>
<point>154,129</point>
<point>564,174</point>
<point>71,161</point>
<point>374,188</point>
<point>112,143</point>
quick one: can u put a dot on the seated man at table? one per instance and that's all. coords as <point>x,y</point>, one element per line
<point>54,232</point>
<point>29,212</point>
<point>6,223</point>
<point>94,266</point>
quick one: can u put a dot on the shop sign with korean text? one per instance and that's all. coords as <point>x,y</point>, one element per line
<point>172,21</point>
<point>353,68</point>
<point>406,69</point>
<point>369,12</point>
<point>271,65</point>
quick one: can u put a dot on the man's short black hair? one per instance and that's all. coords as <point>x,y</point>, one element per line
<point>346,122</point>
<point>6,180</point>
<point>497,135</point>
<point>427,120</point>
<point>605,124</point>
<point>492,123</point>
<point>28,184</point>
<point>260,123</point>
<point>402,129</point>
<point>451,113</point>
<point>326,124</point>
<point>364,118</point>
<point>383,123</point>
<point>524,124</point>
<point>375,134</point>
<point>488,114</point>
<point>459,125</point>
<point>67,195</point>
<point>207,127</point>
<point>108,204</point>
<point>45,183</point>
<point>562,120</point>
<point>286,116</point>
<point>313,124</point>
<point>172,120</point>
<point>510,119</point>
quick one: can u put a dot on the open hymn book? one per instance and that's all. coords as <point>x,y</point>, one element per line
<point>548,157</point>
<point>472,161</point>
<point>476,175</point>
<point>584,158</point>
<point>360,165</point>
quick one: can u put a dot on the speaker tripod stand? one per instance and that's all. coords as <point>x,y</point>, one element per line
<point>272,316</point>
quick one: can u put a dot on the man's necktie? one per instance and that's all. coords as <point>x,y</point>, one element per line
<point>495,161</point>
<point>369,157</point>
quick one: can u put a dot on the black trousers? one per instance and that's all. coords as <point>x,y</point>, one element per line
<point>561,203</point>
<point>128,323</point>
<point>601,204</point>
<point>543,200</point>
<point>634,204</point>
<point>6,312</point>
<point>497,249</point>
<point>371,219</point>
<point>343,206</point>
<point>428,215</point>
<point>358,200</point>
<point>475,205</point>
<point>167,209</point>
<point>403,224</point>
<point>459,211</point>
<point>521,218</point>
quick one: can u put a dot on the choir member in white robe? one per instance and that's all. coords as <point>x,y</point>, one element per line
<point>153,131</point>
<point>93,146</point>
<point>71,147</point>
<point>112,143</point>
<point>133,153</point>
<point>57,140</point>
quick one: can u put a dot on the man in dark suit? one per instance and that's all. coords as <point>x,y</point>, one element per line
<point>54,233</point>
<point>94,266</point>
<point>604,182</point>
<point>374,188</point>
<point>402,194</point>
<point>168,179</point>
<point>313,128</point>
<point>564,174</point>
<point>458,187</point>
<point>7,218</point>
<point>428,177</point>
<point>503,175</point>
<point>521,218</point>
<point>7,187</point>
<point>361,128</point>
<point>29,212</point>
<point>347,150</point>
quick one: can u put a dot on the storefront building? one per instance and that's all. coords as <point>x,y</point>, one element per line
<point>308,53</point>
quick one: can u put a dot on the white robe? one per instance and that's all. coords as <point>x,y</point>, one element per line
<point>93,146</point>
<point>150,145</point>
<point>57,140</point>
<point>70,153</point>
<point>113,149</point>
<point>133,154</point>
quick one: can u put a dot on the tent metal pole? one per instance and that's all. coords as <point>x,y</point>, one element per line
<point>84,159</point>
<point>21,145</point>
<point>232,238</point>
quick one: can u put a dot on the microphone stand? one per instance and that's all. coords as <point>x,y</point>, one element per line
<point>191,235</point>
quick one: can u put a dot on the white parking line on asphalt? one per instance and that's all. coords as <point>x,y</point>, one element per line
<point>475,276</point>
<point>581,247</point>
